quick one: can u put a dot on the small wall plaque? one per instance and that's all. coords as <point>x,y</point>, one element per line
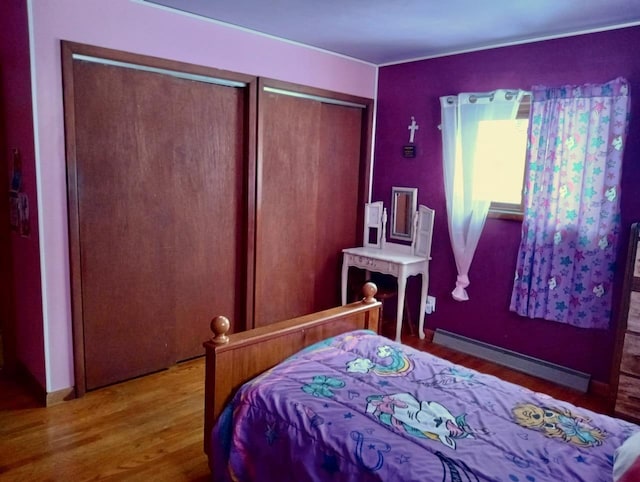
<point>409,151</point>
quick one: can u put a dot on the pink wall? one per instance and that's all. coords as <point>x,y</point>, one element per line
<point>413,89</point>
<point>136,27</point>
<point>18,130</point>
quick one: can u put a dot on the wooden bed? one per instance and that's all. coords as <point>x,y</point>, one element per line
<point>359,407</point>
<point>235,359</point>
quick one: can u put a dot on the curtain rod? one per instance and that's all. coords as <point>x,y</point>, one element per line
<point>509,94</point>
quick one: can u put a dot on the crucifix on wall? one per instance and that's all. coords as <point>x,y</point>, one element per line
<point>413,127</point>
<point>409,150</point>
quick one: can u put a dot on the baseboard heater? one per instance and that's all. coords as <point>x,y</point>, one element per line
<point>514,360</point>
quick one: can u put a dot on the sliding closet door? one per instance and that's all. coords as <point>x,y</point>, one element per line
<point>309,185</point>
<point>157,215</point>
<point>286,218</point>
<point>337,206</point>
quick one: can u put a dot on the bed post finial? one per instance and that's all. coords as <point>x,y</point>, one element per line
<point>369,290</point>
<point>220,326</point>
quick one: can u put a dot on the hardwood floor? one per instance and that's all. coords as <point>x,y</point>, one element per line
<point>150,428</point>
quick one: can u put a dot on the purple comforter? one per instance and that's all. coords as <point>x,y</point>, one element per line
<point>359,407</point>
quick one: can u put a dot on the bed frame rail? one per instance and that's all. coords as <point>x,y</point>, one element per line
<point>232,360</point>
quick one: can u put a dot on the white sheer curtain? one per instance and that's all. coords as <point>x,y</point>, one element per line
<point>466,212</point>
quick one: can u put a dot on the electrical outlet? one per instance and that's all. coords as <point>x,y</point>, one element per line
<point>431,305</point>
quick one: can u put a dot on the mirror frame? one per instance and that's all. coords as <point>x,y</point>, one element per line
<point>411,205</point>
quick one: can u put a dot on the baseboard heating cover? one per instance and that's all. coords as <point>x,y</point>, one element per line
<point>514,360</point>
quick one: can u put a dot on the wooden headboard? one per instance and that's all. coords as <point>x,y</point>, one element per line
<point>235,359</point>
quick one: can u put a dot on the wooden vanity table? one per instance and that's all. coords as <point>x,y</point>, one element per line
<point>396,260</point>
<point>399,260</point>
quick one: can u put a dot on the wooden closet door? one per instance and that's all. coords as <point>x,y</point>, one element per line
<point>159,168</point>
<point>289,147</point>
<point>337,207</point>
<point>308,191</point>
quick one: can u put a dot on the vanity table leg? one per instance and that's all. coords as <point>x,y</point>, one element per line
<point>345,275</point>
<point>423,303</point>
<point>402,285</point>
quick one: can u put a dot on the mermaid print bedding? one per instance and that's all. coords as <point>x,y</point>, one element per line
<point>359,407</point>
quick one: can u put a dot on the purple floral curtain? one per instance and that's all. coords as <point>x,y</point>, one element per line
<point>570,229</point>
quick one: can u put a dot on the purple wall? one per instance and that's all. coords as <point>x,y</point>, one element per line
<point>413,89</point>
<point>15,91</point>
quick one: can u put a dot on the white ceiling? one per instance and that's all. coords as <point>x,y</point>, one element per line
<point>389,31</point>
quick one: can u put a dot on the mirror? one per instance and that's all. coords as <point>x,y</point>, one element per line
<point>403,207</point>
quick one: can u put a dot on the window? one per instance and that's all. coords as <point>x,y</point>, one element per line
<point>499,173</point>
